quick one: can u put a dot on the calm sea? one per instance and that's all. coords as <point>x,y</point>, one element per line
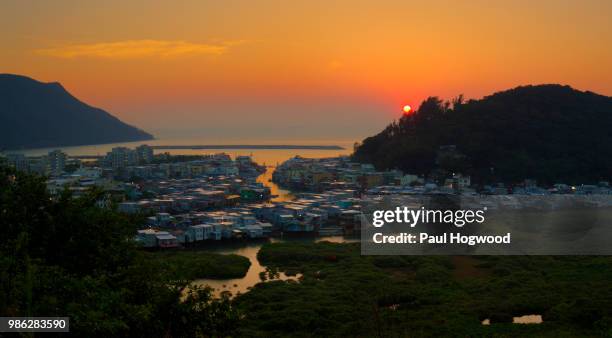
<point>267,157</point>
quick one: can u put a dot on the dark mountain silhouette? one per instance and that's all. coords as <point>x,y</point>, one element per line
<point>35,114</point>
<point>552,133</point>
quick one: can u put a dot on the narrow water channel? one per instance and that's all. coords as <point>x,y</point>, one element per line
<point>250,250</point>
<point>280,194</point>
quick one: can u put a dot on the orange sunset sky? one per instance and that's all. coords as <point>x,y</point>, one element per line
<point>299,69</point>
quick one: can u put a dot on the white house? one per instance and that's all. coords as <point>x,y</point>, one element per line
<point>199,232</point>
<point>253,231</point>
<point>147,238</point>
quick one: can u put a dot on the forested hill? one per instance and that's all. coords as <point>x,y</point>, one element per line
<point>34,114</point>
<point>551,133</point>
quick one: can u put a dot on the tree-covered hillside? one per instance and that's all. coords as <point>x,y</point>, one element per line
<point>552,133</point>
<point>69,257</point>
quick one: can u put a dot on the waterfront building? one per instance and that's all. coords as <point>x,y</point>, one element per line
<point>18,161</point>
<point>121,157</point>
<point>144,154</point>
<point>166,240</point>
<point>56,162</point>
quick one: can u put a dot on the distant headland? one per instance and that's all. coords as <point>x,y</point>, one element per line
<point>34,114</point>
<point>250,146</point>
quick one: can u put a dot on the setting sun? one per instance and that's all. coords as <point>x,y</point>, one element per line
<point>407,109</point>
